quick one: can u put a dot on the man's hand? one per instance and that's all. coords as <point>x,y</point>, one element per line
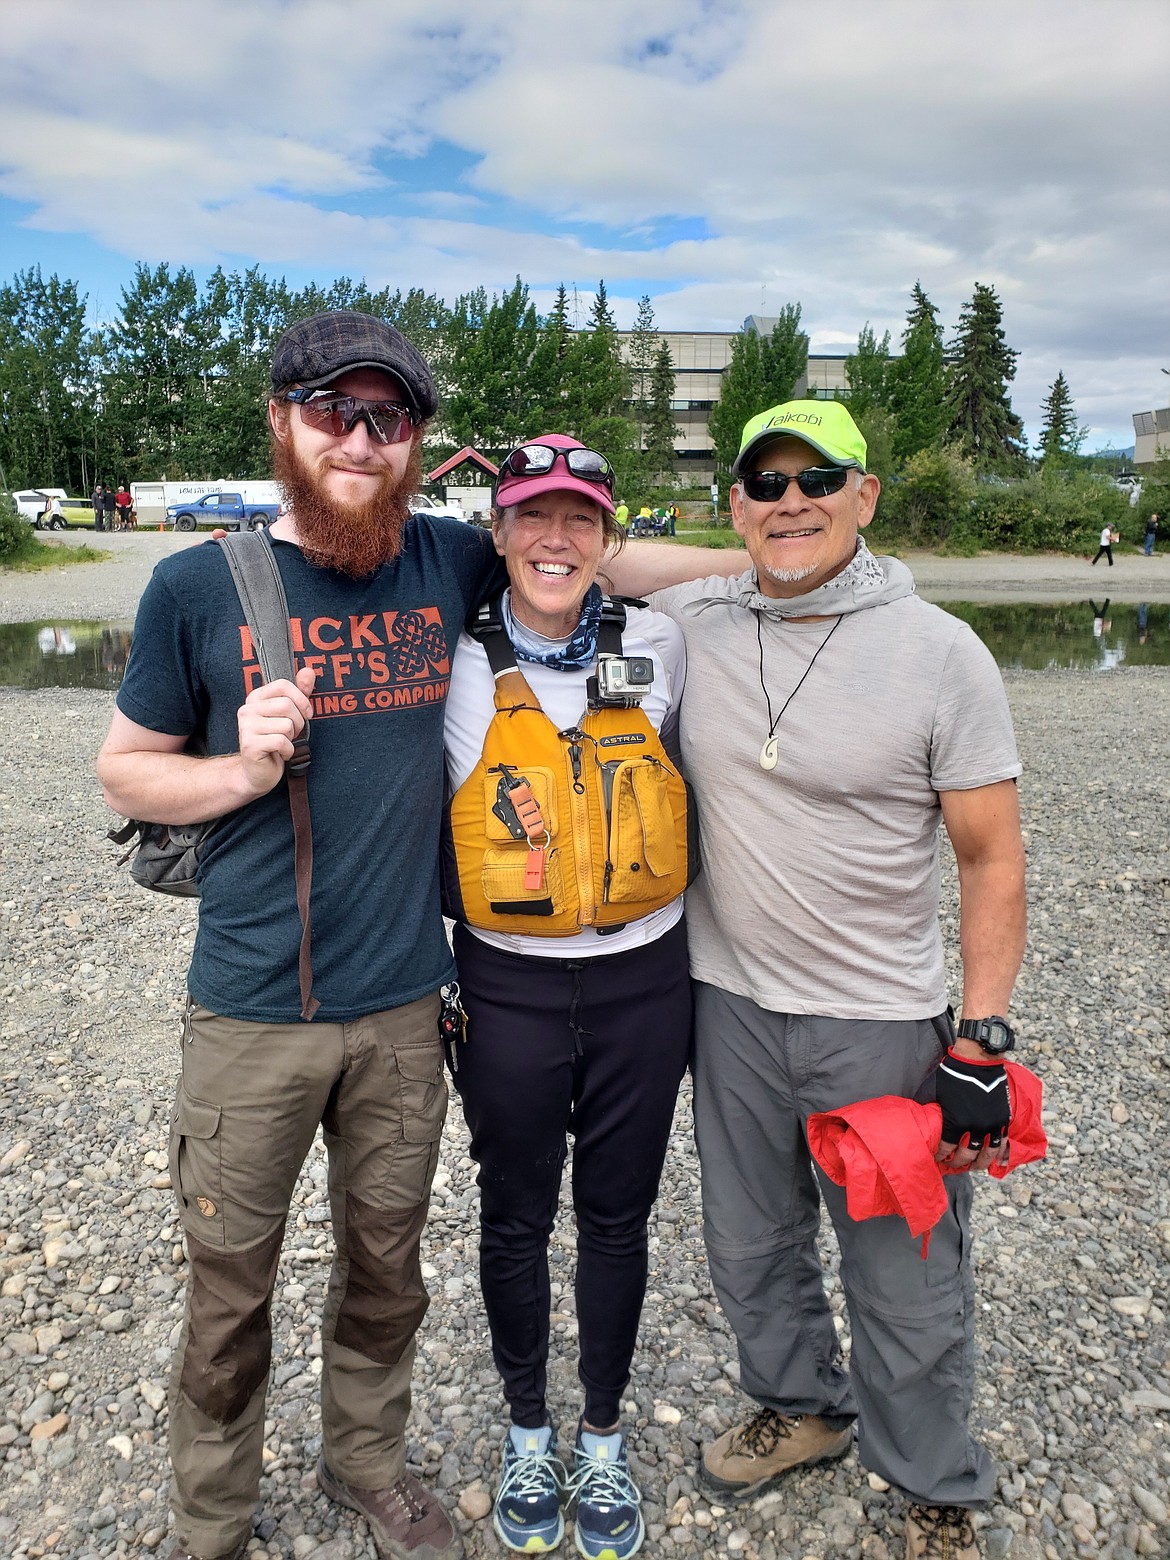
<point>269,720</point>
<point>976,1112</point>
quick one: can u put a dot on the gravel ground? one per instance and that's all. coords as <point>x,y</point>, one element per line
<point>1074,1386</point>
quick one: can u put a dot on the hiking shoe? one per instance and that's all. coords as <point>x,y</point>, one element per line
<point>940,1533</point>
<point>527,1514</point>
<point>238,1553</point>
<point>749,1459</point>
<point>406,1521</point>
<point>609,1515</point>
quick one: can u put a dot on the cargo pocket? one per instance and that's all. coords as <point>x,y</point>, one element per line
<point>642,835</point>
<point>504,867</point>
<point>196,1166</point>
<point>422,1092</point>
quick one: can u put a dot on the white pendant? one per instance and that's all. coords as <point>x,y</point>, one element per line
<point>770,754</point>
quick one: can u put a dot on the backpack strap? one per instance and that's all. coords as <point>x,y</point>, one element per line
<point>252,562</point>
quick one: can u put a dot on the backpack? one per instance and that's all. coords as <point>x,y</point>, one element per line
<point>165,857</point>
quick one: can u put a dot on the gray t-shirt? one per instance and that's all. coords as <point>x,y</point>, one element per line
<point>819,889</point>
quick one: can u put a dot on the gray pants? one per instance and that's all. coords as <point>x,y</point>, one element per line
<point>758,1077</point>
<point>249,1102</point>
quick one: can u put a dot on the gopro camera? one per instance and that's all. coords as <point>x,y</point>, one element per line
<point>624,679</point>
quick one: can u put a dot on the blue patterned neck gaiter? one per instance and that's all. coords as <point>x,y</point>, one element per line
<point>579,652</point>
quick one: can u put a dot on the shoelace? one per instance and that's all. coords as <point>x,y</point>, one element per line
<point>529,1475</point>
<point>944,1526</point>
<point>762,1431</point>
<point>608,1483</point>
<point>405,1494</point>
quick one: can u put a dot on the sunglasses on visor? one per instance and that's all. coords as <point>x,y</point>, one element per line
<point>388,421</point>
<point>815,482</point>
<point>533,460</point>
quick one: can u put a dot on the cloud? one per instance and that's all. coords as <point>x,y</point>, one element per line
<point>828,154</point>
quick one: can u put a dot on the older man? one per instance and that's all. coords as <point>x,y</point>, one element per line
<point>864,718</point>
<point>377,598</point>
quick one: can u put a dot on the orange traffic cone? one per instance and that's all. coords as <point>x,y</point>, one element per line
<point>160,525</point>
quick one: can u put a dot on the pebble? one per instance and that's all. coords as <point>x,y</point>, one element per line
<point>1073,1389</point>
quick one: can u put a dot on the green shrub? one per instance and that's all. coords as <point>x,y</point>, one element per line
<point>929,502</point>
<point>16,535</point>
<point>1060,513</point>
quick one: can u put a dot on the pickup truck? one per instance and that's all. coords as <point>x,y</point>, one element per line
<point>226,509</point>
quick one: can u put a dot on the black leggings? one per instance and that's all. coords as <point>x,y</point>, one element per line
<point>1105,552</point>
<point>593,1047</point>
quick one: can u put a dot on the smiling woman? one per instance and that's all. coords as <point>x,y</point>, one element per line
<point>568,858</point>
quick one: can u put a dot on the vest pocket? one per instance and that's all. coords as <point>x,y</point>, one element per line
<point>503,881</point>
<point>643,843</point>
<point>544,789</point>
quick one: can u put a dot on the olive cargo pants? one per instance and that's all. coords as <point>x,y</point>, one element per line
<point>249,1102</point>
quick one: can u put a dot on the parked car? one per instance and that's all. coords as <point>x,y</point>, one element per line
<point>423,504</point>
<point>33,504</point>
<point>226,509</point>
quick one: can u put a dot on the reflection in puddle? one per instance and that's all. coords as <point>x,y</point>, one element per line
<point>1032,635</point>
<point>63,655</point>
<point>1095,635</point>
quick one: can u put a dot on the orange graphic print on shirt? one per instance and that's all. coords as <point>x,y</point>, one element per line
<point>366,663</point>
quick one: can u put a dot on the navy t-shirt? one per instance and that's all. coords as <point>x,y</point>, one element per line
<point>382,649</point>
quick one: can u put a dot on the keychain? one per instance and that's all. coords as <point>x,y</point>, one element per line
<point>452,1022</point>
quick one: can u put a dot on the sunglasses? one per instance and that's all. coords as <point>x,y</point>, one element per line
<point>815,482</point>
<point>388,421</point>
<point>533,460</point>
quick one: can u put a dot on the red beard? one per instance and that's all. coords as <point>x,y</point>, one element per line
<point>356,539</point>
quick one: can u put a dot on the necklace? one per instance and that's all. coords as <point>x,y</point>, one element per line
<point>770,752</point>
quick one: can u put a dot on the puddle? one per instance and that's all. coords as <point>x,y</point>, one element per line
<point>1085,634</point>
<point>1031,635</point>
<point>63,655</point>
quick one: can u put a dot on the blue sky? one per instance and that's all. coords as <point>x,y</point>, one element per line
<point>724,156</point>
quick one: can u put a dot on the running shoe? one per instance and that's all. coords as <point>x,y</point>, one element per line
<point>609,1515</point>
<point>527,1514</point>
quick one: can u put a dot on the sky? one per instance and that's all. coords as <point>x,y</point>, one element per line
<point>725,157</point>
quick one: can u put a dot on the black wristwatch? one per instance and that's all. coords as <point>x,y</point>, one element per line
<point>994,1034</point>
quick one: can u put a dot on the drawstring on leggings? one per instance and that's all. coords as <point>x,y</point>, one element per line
<point>574,1027</point>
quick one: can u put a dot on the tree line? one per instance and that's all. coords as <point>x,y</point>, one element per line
<point>175,384</point>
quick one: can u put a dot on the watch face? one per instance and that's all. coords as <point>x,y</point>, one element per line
<point>999,1036</point>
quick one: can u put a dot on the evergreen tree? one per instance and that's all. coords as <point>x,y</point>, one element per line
<point>1060,437</point>
<point>46,403</point>
<point>490,407</point>
<point>784,356</point>
<point>917,381</point>
<point>596,388</point>
<point>641,356</point>
<point>981,421</point>
<point>867,373</point>
<point>661,430</point>
<point>743,391</point>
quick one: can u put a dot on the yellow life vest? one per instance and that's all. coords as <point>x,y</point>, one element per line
<point>607,842</point>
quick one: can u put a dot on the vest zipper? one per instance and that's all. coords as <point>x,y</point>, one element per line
<point>579,801</point>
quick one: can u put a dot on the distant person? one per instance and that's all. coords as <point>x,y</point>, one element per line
<point>1151,534</point>
<point>672,514</point>
<point>109,507</point>
<point>99,507</point>
<point>1108,537</point>
<point>53,511</point>
<point>124,501</point>
<point>622,515</point>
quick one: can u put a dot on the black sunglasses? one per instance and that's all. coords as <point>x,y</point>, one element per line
<point>814,482</point>
<point>533,460</point>
<point>388,421</point>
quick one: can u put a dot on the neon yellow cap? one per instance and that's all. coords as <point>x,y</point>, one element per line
<point>826,425</point>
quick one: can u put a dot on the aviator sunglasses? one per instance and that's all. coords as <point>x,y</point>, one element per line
<point>388,421</point>
<point>815,482</point>
<point>533,460</point>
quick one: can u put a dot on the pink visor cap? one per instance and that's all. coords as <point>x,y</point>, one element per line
<point>513,489</point>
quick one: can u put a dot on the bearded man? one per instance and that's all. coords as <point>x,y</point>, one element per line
<point>377,598</point>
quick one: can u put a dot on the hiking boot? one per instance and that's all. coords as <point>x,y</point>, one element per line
<point>527,1513</point>
<point>940,1533</point>
<point>238,1553</point>
<point>609,1517</point>
<point>405,1520</point>
<point>751,1458</point>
